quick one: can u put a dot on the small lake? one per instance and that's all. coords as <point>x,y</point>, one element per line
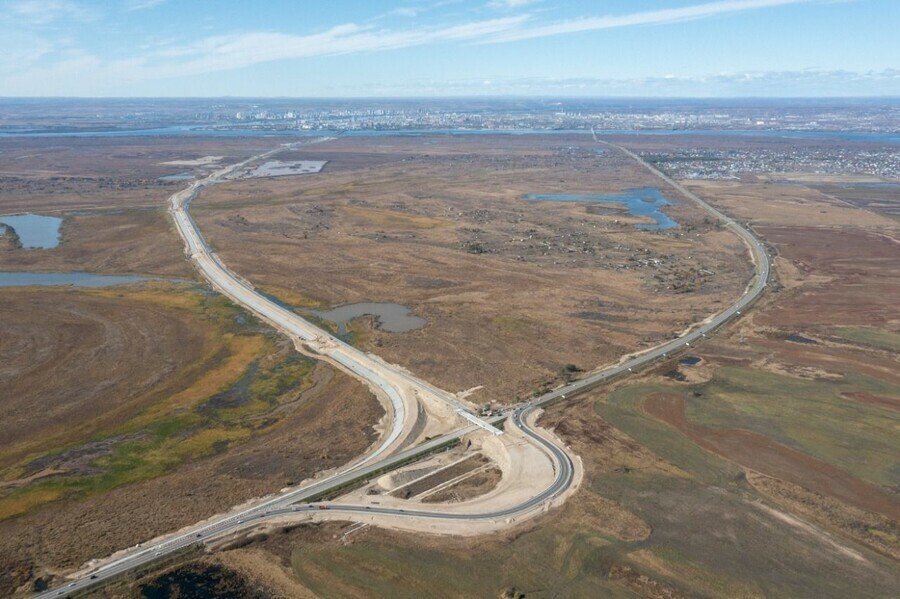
<point>393,318</point>
<point>177,177</point>
<point>641,201</point>
<point>34,231</point>
<point>76,279</point>
<point>801,339</point>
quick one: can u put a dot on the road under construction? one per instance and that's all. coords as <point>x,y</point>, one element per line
<point>541,471</point>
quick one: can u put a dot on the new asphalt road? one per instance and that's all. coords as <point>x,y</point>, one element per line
<point>290,501</point>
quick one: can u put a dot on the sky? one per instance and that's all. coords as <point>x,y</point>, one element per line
<point>395,48</point>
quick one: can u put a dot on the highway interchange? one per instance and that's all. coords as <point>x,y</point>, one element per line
<point>389,454</point>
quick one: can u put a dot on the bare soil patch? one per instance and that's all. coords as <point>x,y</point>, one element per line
<point>433,480</point>
<point>472,486</point>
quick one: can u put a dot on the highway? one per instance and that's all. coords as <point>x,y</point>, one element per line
<point>286,503</point>
<point>754,289</point>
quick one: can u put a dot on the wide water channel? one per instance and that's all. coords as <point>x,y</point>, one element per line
<point>194,130</point>
<point>641,201</point>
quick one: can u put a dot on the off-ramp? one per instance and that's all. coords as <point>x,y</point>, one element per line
<point>391,382</point>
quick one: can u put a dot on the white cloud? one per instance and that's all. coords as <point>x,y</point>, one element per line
<point>650,17</point>
<point>55,65</point>
<point>21,49</point>
<point>506,4</point>
<point>142,4</point>
<point>42,12</point>
<point>240,50</point>
<point>235,51</point>
<point>404,11</point>
<point>83,71</point>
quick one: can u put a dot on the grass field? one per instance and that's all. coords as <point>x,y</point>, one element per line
<point>220,399</point>
<point>880,339</point>
<point>807,415</point>
<point>622,408</point>
<point>539,563</point>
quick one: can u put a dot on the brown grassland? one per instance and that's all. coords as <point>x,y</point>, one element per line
<point>132,411</point>
<point>767,468</point>
<point>513,290</point>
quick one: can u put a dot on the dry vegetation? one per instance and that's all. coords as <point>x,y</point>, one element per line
<point>133,411</point>
<point>512,289</point>
<point>109,194</point>
<point>768,468</point>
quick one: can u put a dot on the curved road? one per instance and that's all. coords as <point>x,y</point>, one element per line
<point>280,505</point>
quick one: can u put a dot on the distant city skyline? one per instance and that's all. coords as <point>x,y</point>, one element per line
<point>357,48</point>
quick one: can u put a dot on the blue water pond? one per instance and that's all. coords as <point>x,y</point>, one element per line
<point>641,201</point>
<point>34,231</point>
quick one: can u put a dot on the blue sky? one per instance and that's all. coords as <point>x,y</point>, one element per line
<point>330,48</point>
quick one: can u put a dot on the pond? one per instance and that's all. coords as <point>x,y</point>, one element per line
<point>177,177</point>
<point>641,201</point>
<point>34,231</point>
<point>393,318</point>
<point>76,279</point>
<point>801,339</point>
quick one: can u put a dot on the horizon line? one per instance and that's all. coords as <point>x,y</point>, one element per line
<point>463,97</point>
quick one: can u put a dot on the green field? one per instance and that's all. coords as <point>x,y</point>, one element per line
<point>809,416</point>
<point>710,537</point>
<point>874,337</point>
<point>542,563</point>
